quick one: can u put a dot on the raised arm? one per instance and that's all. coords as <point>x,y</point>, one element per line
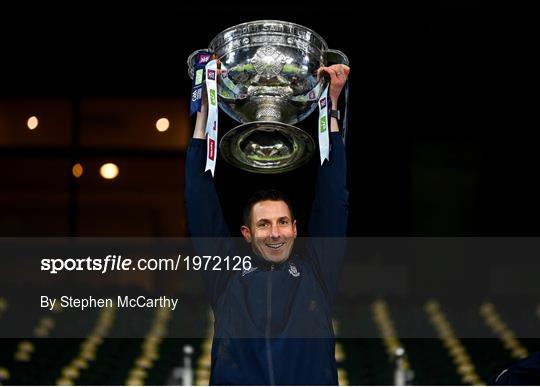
<point>204,215</point>
<point>328,220</point>
<point>206,223</point>
<point>329,212</point>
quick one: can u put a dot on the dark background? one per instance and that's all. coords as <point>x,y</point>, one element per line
<point>442,137</point>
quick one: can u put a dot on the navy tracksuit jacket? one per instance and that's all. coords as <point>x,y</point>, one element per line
<point>273,324</point>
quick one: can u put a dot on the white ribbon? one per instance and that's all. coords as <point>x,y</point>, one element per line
<point>212,122</point>
<point>324,137</point>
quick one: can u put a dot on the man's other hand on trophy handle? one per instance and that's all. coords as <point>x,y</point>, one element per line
<point>338,74</point>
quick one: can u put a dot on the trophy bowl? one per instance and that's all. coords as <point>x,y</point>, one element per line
<point>268,83</point>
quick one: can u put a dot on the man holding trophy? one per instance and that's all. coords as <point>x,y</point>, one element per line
<point>273,322</point>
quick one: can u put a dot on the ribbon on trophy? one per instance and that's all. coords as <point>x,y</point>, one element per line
<point>324,137</point>
<point>201,59</point>
<point>212,121</point>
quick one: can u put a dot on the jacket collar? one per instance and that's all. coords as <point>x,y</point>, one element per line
<point>258,261</point>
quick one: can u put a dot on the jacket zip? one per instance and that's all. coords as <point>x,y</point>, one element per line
<point>269,325</point>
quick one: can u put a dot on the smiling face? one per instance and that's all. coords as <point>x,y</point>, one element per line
<point>271,231</point>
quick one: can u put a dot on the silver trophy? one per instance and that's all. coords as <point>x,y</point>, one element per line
<point>268,83</point>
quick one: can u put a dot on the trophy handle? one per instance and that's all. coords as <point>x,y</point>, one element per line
<point>191,61</point>
<point>336,57</point>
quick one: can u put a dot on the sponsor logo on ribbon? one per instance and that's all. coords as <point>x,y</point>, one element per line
<point>203,58</point>
<point>211,149</point>
<point>322,124</point>
<point>199,76</point>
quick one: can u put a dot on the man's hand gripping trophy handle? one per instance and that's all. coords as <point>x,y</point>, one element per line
<point>338,74</point>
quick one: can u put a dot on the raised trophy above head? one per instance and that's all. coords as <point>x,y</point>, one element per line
<point>267,80</point>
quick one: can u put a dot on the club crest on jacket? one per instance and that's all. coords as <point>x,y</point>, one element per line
<point>293,270</point>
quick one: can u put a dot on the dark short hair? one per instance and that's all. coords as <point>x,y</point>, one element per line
<point>262,195</point>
